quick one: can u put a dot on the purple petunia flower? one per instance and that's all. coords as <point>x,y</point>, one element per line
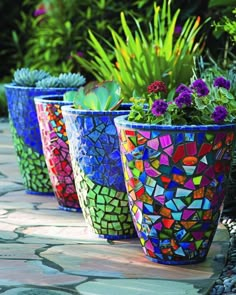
<point>184,98</point>
<point>159,107</point>
<point>182,88</point>
<point>200,87</point>
<point>178,30</point>
<point>219,114</point>
<point>222,82</point>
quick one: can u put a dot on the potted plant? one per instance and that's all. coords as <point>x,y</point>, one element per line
<point>137,57</point>
<point>176,157</point>
<point>20,93</point>
<point>95,157</point>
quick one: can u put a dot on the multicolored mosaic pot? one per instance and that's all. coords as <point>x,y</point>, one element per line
<point>176,178</point>
<point>26,136</point>
<point>56,150</point>
<point>99,179</point>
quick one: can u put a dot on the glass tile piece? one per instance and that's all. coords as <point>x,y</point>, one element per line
<point>179,138</point>
<point>158,226</point>
<point>150,181</point>
<point>191,148</point>
<point>188,213</point>
<point>150,171</point>
<point>169,194</point>
<point>189,184</point>
<point>189,169</point>
<point>197,180</point>
<point>205,149</point>
<point>164,159</point>
<point>179,204</point>
<point>201,167</point>
<point>200,138</point>
<point>206,204</point>
<point>180,192</point>
<point>153,143</point>
<point>199,194</point>
<point>141,139</point>
<point>171,205</point>
<point>210,172</point>
<point>165,140</point>
<point>205,181</point>
<point>158,190</point>
<point>190,161</point>
<point>204,160</point>
<point>160,199</point>
<point>146,134</point>
<point>196,204</point>
<point>179,178</point>
<point>178,154</point>
<point>209,136</point>
<point>168,222</point>
<point>180,252</point>
<point>149,189</point>
<point>177,215</point>
<point>176,170</point>
<point>169,150</point>
<point>147,209</point>
<point>189,136</point>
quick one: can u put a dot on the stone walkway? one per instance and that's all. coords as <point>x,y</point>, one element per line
<point>44,250</point>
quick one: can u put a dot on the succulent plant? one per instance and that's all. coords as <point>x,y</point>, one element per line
<point>101,97</point>
<point>42,79</point>
<point>50,82</point>
<point>72,80</point>
<point>27,77</point>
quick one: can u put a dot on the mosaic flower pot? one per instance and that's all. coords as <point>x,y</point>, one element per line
<point>56,150</point>
<point>26,136</point>
<point>176,178</point>
<point>99,180</point>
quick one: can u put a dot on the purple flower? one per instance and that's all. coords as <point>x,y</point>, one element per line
<point>184,98</point>
<point>200,87</point>
<point>222,82</point>
<point>178,30</point>
<point>182,88</point>
<point>40,10</point>
<point>219,114</point>
<point>159,107</point>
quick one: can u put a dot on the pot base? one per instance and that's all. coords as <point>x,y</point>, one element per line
<point>117,237</point>
<point>179,262</point>
<point>39,193</point>
<point>70,209</point>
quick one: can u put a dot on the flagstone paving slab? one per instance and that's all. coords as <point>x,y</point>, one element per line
<point>20,272</point>
<point>136,287</point>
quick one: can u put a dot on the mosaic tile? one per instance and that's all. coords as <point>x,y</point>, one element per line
<point>26,136</point>
<point>176,220</point>
<point>56,151</point>
<point>99,179</point>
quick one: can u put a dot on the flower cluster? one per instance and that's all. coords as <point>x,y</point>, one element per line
<point>196,104</point>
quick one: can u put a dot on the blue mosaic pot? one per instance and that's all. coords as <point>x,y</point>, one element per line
<point>99,180</point>
<point>26,136</point>
<point>176,179</point>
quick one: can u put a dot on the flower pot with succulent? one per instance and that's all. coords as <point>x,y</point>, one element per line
<point>20,94</point>
<point>56,149</point>
<point>176,158</point>
<point>95,156</point>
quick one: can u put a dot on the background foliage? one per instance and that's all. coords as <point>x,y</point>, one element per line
<point>48,40</point>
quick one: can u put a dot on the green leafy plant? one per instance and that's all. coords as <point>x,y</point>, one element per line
<point>197,104</point>
<point>42,79</point>
<point>142,58</point>
<point>98,97</point>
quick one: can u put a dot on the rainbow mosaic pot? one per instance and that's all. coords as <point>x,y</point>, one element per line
<point>26,136</point>
<point>99,180</point>
<point>176,178</point>
<point>56,150</point>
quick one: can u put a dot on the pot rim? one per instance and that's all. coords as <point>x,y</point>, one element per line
<point>46,99</point>
<point>121,121</point>
<point>71,110</point>
<point>10,85</point>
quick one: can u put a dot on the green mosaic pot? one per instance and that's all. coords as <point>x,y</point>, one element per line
<point>99,180</point>
<point>176,179</point>
<point>26,136</point>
